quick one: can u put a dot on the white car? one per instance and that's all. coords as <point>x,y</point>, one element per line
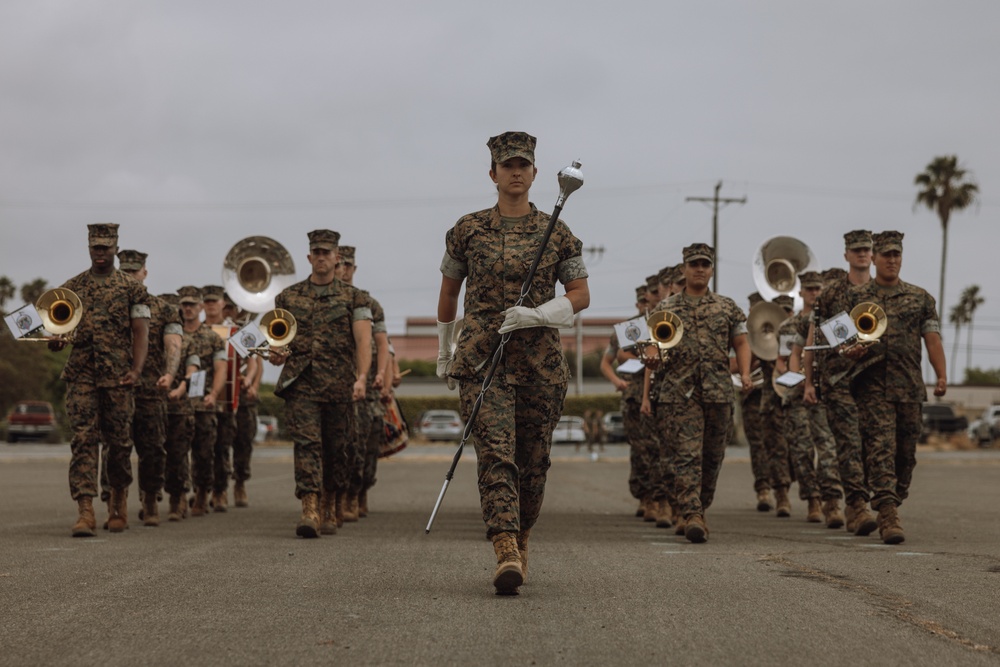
<point>569,429</point>
<point>267,428</point>
<point>986,429</point>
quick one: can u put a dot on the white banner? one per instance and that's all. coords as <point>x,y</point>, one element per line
<point>839,329</point>
<point>630,331</point>
<point>247,337</point>
<point>23,321</point>
<point>196,384</point>
<point>790,379</point>
<point>630,366</point>
<point>785,345</point>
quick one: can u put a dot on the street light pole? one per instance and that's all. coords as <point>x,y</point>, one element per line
<point>715,226</point>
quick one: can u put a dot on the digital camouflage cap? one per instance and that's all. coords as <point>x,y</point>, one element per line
<point>834,273</point>
<point>171,298</point>
<point>754,299</point>
<point>699,251</point>
<point>131,260</point>
<point>811,279</point>
<point>189,294</point>
<point>103,233</point>
<point>667,275</point>
<point>346,253</point>
<point>510,145</point>
<point>653,282</point>
<point>785,301</point>
<point>859,238</point>
<point>323,239</point>
<point>212,293</point>
<point>640,293</point>
<point>887,242</point>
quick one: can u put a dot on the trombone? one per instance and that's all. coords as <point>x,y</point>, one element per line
<point>279,327</point>
<point>665,331</point>
<point>60,311</point>
<point>871,322</point>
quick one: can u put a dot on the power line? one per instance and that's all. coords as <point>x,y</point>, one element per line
<point>715,225</point>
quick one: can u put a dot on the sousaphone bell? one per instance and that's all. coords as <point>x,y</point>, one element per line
<point>777,265</point>
<point>762,329</point>
<point>254,272</point>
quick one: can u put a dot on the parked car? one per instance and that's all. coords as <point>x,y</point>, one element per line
<point>267,428</point>
<point>942,418</point>
<point>614,426</point>
<point>440,425</point>
<point>31,420</point>
<point>569,429</point>
<point>986,429</point>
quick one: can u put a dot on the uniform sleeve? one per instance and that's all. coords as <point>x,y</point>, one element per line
<point>378,317</point>
<point>362,306</point>
<point>139,297</point>
<point>218,348</point>
<point>571,266</point>
<point>612,350</point>
<point>455,263</point>
<point>738,321</point>
<point>929,322</point>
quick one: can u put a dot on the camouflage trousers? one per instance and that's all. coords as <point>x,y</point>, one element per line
<point>149,433</point>
<point>225,439</point>
<point>99,415</point>
<point>513,439</point>
<point>842,416</point>
<point>889,432</point>
<point>371,436</point>
<point>246,431</point>
<point>665,475</point>
<point>698,433</point>
<point>644,451</point>
<point>322,432</point>
<point>812,448</point>
<point>177,468</point>
<point>773,415</point>
<point>753,428</point>
<point>206,430</point>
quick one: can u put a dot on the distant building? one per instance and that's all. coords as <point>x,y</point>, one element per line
<point>420,340</point>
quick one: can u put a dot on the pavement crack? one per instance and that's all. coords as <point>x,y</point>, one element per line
<point>895,605</point>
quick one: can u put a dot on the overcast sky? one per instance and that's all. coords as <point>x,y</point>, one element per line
<point>194,124</point>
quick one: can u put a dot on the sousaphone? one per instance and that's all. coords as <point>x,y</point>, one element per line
<point>254,272</point>
<point>777,265</point>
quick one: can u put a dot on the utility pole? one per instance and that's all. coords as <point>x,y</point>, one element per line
<point>590,251</point>
<point>715,226</point>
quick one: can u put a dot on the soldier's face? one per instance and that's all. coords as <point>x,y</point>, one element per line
<point>213,308</point>
<point>102,257</point>
<point>859,258</point>
<point>810,294</point>
<point>888,264</point>
<point>323,262</point>
<point>190,312</point>
<point>347,273</point>
<point>514,176</point>
<point>698,273</point>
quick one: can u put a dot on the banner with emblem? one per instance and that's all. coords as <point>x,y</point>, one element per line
<point>247,337</point>
<point>23,321</point>
<point>630,331</point>
<point>839,329</point>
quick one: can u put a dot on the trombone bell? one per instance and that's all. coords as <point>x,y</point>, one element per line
<point>60,310</point>
<point>279,327</point>
<point>665,328</point>
<point>870,320</point>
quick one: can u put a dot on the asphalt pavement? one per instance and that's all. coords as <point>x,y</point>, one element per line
<point>604,588</point>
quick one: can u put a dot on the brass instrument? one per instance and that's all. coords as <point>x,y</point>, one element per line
<point>279,327</point>
<point>665,331</point>
<point>60,310</point>
<point>762,329</point>
<point>871,322</point>
<point>777,265</point>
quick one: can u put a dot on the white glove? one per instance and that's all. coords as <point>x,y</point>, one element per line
<point>446,352</point>
<point>555,313</point>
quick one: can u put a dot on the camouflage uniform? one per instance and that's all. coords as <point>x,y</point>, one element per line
<point>889,389</point>
<point>695,399</point>
<point>99,408</point>
<point>371,427</point>
<point>317,379</point>
<point>209,348</point>
<point>644,448</point>
<point>246,431</point>
<point>513,431</point>
<point>180,428</point>
<point>753,427</point>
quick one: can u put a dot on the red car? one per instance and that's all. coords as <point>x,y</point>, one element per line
<point>31,419</point>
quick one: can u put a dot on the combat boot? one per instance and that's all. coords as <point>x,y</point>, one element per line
<point>695,530</point>
<point>220,499</point>
<point>350,508</point>
<point>864,520</point>
<point>664,516</point>
<point>110,512</point>
<point>889,528</point>
<point>118,519</point>
<point>340,499</point>
<point>831,510</point>
<point>198,507</point>
<point>649,510</point>
<point>327,515</point>
<point>184,507</point>
<point>508,575</point>
<point>86,523</point>
<point>782,505</point>
<point>640,511</point>
<point>175,508</point>
<point>309,523</point>
<point>764,500</point>
<point>150,510</point>
<point>363,505</point>
<point>522,548</point>
<point>240,494</point>
<point>851,517</point>
<point>815,512</point>
<point>680,525</point>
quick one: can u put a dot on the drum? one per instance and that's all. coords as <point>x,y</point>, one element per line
<point>396,430</point>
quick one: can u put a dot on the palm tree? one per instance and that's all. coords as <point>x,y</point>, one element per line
<point>971,301</point>
<point>944,191</point>
<point>7,291</point>
<point>31,291</point>
<point>959,316</point>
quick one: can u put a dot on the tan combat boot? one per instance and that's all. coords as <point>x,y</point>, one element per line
<point>350,508</point>
<point>889,528</point>
<point>340,500</point>
<point>175,508</point>
<point>695,530</point>
<point>815,512</point>
<point>522,547</point>
<point>764,500</point>
<point>782,505</point>
<point>110,512</point>
<point>508,575</point>
<point>309,523</point>
<point>864,520</point>
<point>641,509</point>
<point>851,517</point>
<point>831,510</point>
<point>86,523</point>
<point>198,507</point>
<point>363,505</point>
<point>184,507</point>
<point>327,514</point>
<point>220,499</point>
<point>118,519</point>
<point>240,494</point>
<point>679,525</point>
<point>649,510</point>
<point>664,515</point>
<point>150,510</point>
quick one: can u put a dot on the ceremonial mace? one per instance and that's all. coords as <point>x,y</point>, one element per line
<point>570,180</point>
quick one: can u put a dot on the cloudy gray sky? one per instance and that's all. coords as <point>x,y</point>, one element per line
<point>194,124</point>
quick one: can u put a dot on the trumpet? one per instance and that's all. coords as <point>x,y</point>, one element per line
<point>279,327</point>
<point>665,331</point>
<point>60,311</point>
<point>871,322</point>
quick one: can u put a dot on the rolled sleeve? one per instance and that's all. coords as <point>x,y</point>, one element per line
<point>173,328</point>
<point>361,313</point>
<point>572,269</point>
<point>453,268</point>
<point>139,311</point>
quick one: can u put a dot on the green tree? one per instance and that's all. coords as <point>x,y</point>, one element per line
<point>959,316</point>
<point>943,190</point>
<point>980,376</point>
<point>7,292</point>
<point>970,300</point>
<point>31,291</point>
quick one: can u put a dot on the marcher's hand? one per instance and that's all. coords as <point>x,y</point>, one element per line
<point>809,394</point>
<point>555,313</point>
<point>747,382</point>
<point>378,380</point>
<point>253,392</point>
<point>397,379</point>
<point>178,392</point>
<point>278,355</point>
<point>941,387</point>
<point>130,379</point>
<point>620,384</point>
<point>358,390</point>
<point>385,395</point>
<point>646,408</point>
<point>56,345</point>
<point>854,353</point>
<point>209,400</point>
<point>165,381</point>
